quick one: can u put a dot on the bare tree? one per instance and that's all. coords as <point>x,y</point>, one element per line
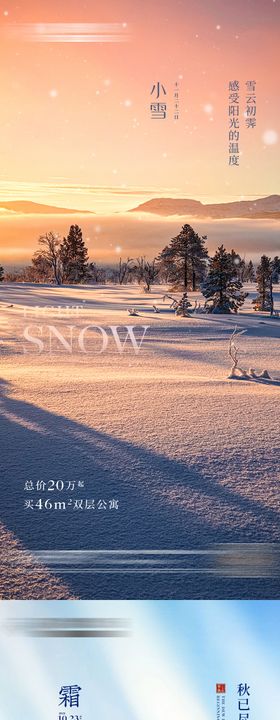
<point>124,269</point>
<point>50,252</point>
<point>174,302</point>
<point>237,372</point>
<point>234,353</point>
<point>146,272</point>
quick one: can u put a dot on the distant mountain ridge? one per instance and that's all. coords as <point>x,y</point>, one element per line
<point>27,207</point>
<point>260,208</point>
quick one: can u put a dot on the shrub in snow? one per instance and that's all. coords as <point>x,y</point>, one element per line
<point>183,306</point>
<point>264,374</point>
<point>132,311</point>
<point>234,352</point>
<point>174,302</point>
<point>237,373</point>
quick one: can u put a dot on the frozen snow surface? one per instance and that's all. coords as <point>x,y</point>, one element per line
<point>190,456</point>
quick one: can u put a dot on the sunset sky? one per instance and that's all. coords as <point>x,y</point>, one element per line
<point>76,126</point>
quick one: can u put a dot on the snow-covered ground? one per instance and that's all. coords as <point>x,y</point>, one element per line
<point>191,457</point>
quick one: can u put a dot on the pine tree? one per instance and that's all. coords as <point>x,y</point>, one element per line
<point>276,269</point>
<point>264,274</point>
<point>249,273</point>
<point>185,258</point>
<point>237,265</point>
<point>74,256</point>
<point>166,266</point>
<point>1,273</point>
<point>183,306</point>
<point>221,287</point>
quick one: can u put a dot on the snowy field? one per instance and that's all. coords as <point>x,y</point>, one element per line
<point>189,457</point>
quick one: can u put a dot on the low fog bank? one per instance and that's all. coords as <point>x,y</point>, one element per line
<point>132,235</point>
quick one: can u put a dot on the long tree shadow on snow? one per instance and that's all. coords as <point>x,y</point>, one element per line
<point>39,446</point>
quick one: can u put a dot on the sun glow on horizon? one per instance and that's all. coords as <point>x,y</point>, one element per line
<point>77,130</point>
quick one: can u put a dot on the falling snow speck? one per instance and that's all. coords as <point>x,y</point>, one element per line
<point>208,108</point>
<point>270,137</point>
